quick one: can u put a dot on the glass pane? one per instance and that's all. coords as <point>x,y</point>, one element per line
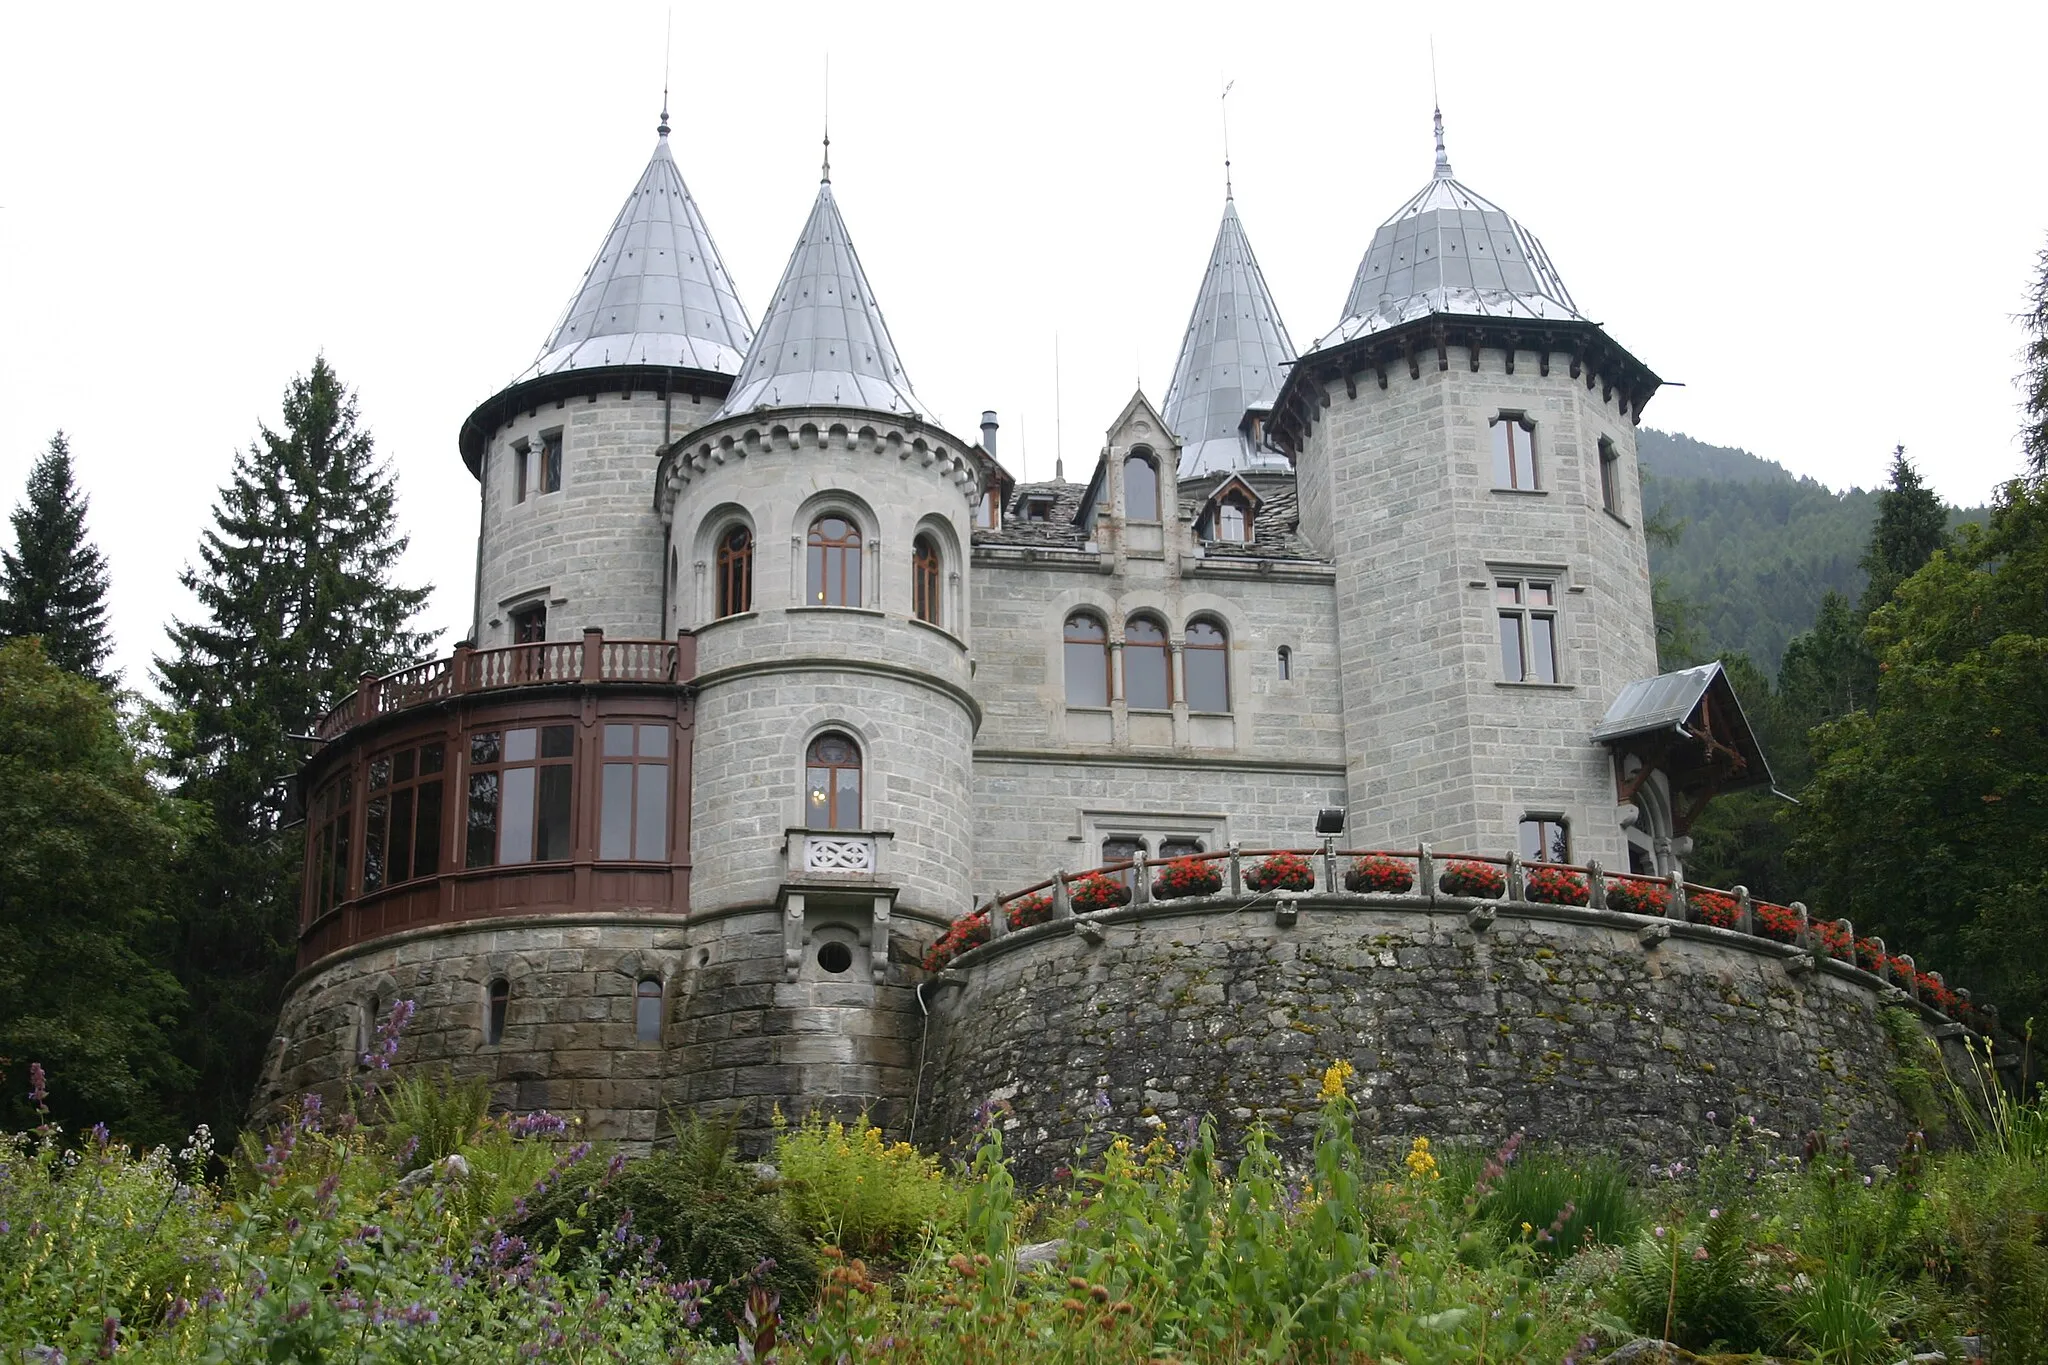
<point>1145,680</point>
<point>1208,673</point>
<point>1082,627</point>
<point>483,748</point>
<point>553,834</point>
<point>615,811</point>
<point>654,741</point>
<point>399,859</point>
<point>1511,646</point>
<point>1532,840</point>
<point>1543,648</point>
<point>650,823</point>
<point>1179,848</point>
<point>431,758</point>
<point>815,576</point>
<point>647,1013</point>
<point>494,1029</point>
<point>515,820</point>
<point>850,593</point>
<point>1205,633</point>
<point>1087,675</point>
<point>1539,595</point>
<point>341,835</point>
<point>1286,663</point>
<point>373,842</point>
<point>1508,594</point>
<point>558,741</point>
<point>401,766</point>
<point>482,848</point>
<point>380,773</point>
<point>817,799</point>
<point>846,806</point>
<point>1525,463</point>
<point>1141,489</point>
<point>1503,466</point>
<point>426,830</point>
<point>618,741</point>
<point>1560,843</point>
<point>520,745</point>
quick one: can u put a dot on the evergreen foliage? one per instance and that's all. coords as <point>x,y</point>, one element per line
<point>86,836</point>
<point>1911,525</point>
<point>2034,379</point>
<point>53,584</point>
<point>295,585</point>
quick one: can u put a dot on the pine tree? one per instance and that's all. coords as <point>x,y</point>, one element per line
<point>2034,379</point>
<point>295,583</point>
<point>54,582</point>
<point>1911,525</point>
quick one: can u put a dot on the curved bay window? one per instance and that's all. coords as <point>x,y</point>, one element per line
<point>402,816</point>
<point>327,846</point>
<point>1141,488</point>
<point>924,581</point>
<point>1206,661</point>
<point>1086,647</point>
<point>735,572</point>
<point>633,804</point>
<point>519,788</point>
<point>833,563</point>
<point>832,783</point>
<point>1148,679</point>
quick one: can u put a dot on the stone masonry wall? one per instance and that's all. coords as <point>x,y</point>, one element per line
<point>1563,1025</point>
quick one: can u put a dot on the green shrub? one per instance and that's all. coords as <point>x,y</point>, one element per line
<point>426,1118</point>
<point>846,1186</point>
<point>1690,1285</point>
<point>1992,1212</point>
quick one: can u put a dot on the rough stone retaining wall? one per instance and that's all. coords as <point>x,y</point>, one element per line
<point>1560,1022</point>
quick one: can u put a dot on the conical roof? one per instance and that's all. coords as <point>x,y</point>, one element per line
<point>657,293</point>
<point>1230,359</point>
<point>823,340</point>
<point>1449,250</point>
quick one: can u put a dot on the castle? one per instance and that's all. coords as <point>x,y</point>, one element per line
<point>772,679</point>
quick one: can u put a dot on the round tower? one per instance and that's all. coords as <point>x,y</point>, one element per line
<point>1465,446</point>
<point>646,349</point>
<point>817,535</point>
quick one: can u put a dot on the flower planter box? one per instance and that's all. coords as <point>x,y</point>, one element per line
<point>1638,898</point>
<point>1556,886</point>
<point>1282,872</point>
<point>1376,872</point>
<point>1098,892</point>
<point>1480,881</point>
<point>1711,907</point>
<point>1185,877</point>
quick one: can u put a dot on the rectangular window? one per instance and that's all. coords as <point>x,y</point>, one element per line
<point>1545,839</point>
<point>520,785</point>
<point>327,851</point>
<point>633,820</point>
<point>402,828</point>
<point>1610,476</point>
<point>551,462</point>
<point>529,623</point>
<point>522,460</point>
<point>1528,628</point>
<point>1514,452</point>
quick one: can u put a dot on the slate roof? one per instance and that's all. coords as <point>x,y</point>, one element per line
<point>1230,359</point>
<point>1275,534</point>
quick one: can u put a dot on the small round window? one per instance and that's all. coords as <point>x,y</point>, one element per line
<point>835,957</point>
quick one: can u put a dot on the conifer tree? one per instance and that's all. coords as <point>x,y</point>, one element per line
<point>2034,379</point>
<point>53,584</point>
<point>1911,525</point>
<point>295,585</point>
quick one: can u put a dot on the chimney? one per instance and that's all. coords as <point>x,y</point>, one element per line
<point>988,432</point>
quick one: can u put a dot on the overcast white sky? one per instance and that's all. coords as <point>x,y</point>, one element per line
<point>1820,220</point>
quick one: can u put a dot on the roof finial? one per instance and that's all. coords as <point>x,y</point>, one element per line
<point>667,40</point>
<point>825,172</point>
<point>1225,101</point>
<point>1443,160</point>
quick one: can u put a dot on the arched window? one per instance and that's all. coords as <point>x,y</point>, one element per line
<point>832,784</point>
<point>1141,488</point>
<point>1087,658</point>
<point>1286,663</point>
<point>366,1030</point>
<point>494,1011</point>
<point>834,563</point>
<point>647,1010</point>
<point>1206,662</point>
<point>1233,520</point>
<point>924,581</point>
<point>1514,452</point>
<point>735,571</point>
<point>1148,681</point>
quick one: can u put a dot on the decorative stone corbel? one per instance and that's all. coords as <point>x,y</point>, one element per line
<point>1653,935</point>
<point>1091,934</point>
<point>878,941</point>
<point>1480,918</point>
<point>1285,913</point>
<point>793,937</point>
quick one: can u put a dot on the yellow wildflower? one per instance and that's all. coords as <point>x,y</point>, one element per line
<point>1334,1078</point>
<point>1421,1165</point>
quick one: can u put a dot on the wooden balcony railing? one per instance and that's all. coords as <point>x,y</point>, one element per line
<point>593,659</point>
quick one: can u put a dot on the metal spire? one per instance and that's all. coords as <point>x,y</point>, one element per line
<point>1225,102</point>
<point>667,40</point>
<point>825,172</point>
<point>1231,359</point>
<point>1443,160</point>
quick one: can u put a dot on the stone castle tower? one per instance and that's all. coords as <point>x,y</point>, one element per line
<point>773,682</point>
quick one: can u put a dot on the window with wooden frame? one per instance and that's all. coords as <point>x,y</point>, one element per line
<point>1141,487</point>
<point>551,462</point>
<point>924,581</point>
<point>1206,663</point>
<point>988,511</point>
<point>633,797</point>
<point>333,819</point>
<point>1123,848</point>
<point>833,563</point>
<point>520,786</point>
<point>1545,839</point>
<point>402,816</point>
<point>1610,476</point>
<point>1086,647</point>
<point>1514,453</point>
<point>1233,520</point>
<point>1148,671</point>
<point>1528,628</point>
<point>529,623</point>
<point>735,572</point>
<point>832,781</point>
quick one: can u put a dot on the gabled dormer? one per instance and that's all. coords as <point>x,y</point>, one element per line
<point>1135,478</point>
<point>1226,515</point>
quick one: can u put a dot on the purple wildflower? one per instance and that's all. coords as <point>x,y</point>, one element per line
<point>38,1085</point>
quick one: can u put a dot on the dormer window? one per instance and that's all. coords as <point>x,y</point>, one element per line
<point>988,512</point>
<point>1141,488</point>
<point>1233,520</point>
<point>1037,508</point>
